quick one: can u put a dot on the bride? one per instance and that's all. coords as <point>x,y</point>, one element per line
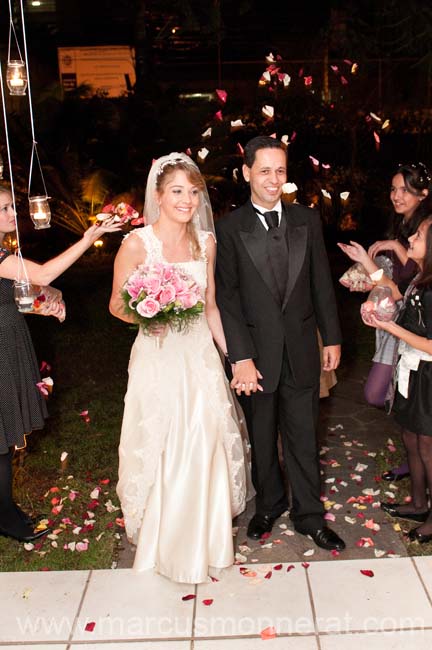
<point>182,474</point>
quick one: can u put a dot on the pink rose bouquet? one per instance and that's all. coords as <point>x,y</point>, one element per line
<point>122,213</point>
<point>162,294</point>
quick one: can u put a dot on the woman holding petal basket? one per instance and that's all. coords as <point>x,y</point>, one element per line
<point>182,473</point>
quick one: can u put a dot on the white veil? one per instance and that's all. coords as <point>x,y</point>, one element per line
<point>203,217</point>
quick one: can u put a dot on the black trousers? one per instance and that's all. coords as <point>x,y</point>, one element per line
<point>292,412</point>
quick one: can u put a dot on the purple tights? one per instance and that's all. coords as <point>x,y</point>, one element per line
<point>375,392</point>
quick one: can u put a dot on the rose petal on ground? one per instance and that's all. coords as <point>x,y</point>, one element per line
<point>90,626</point>
<point>268,575</point>
<point>310,552</point>
<point>335,553</point>
<point>268,633</point>
<point>290,568</point>
<point>207,601</point>
<point>305,565</point>
<point>277,567</point>
<point>367,572</point>
<point>28,546</point>
<point>189,597</point>
<point>329,516</point>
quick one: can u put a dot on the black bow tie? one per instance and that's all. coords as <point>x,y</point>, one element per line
<point>271,219</point>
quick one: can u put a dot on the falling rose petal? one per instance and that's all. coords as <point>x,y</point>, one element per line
<point>308,80</point>
<point>286,80</point>
<point>290,568</point>
<point>189,597</point>
<point>268,111</point>
<point>270,58</point>
<point>207,602</point>
<point>385,125</point>
<point>63,456</point>
<point>268,575</point>
<point>42,388</point>
<point>236,124</point>
<point>268,633</point>
<point>202,154</point>
<point>90,626</point>
<point>207,133</point>
<point>375,117</point>
<point>289,188</point>
<point>188,151</point>
<point>222,95</point>
<point>367,572</point>
<point>354,68</point>
<point>278,567</point>
<point>377,146</point>
<point>266,76</point>
<point>327,166</point>
<point>305,565</point>
<point>300,72</point>
<point>44,367</point>
<point>293,136</point>
<point>344,80</point>
<point>335,68</point>
<point>314,161</point>
<point>218,116</point>
<point>240,148</point>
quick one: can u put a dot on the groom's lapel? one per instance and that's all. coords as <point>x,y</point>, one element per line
<point>253,235</point>
<point>296,235</point>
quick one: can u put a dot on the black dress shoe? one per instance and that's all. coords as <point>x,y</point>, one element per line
<point>260,524</point>
<point>25,538</point>
<point>392,476</point>
<point>416,536</point>
<point>324,537</point>
<point>392,509</point>
<point>27,519</point>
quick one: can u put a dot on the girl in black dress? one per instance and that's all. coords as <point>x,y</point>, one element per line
<point>22,407</point>
<point>412,405</point>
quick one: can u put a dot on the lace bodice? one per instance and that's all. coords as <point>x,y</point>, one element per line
<point>195,268</point>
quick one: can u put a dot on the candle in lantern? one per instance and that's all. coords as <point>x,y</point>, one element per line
<point>40,212</point>
<point>16,77</point>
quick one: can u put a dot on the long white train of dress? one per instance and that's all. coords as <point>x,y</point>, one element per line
<point>182,475</point>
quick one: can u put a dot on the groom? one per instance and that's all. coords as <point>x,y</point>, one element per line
<point>274,290</point>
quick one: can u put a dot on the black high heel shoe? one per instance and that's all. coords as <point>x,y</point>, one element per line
<point>392,509</point>
<point>415,535</point>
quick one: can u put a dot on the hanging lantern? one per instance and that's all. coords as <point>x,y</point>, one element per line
<point>16,77</point>
<point>40,212</point>
<point>25,294</point>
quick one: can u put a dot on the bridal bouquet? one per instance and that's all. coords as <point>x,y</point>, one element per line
<point>122,213</point>
<point>162,294</point>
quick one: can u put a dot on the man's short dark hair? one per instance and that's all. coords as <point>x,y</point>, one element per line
<point>260,142</point>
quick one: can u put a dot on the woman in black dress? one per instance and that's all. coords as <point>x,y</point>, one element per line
<point>22,408</point>
<point>413,398</point>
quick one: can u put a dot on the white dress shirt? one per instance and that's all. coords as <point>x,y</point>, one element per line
<point>260,211</point>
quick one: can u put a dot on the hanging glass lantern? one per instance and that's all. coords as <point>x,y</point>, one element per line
<point>40,212</point>
<point>25,294</point>
<point>16,77</point>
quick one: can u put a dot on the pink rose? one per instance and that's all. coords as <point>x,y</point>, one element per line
<point>135,285</point>
<point>168,273</point>
<point>187,299</point>
<point>152,284</point>
<point>148,307</point>
<point>167,294</point>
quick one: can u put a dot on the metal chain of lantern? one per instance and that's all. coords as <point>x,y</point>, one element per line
<point>24,291</point>
<point>18,81</point>
<point>40,212</point>
<point>16,73</point>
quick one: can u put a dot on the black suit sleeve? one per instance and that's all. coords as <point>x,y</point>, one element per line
<point>239,342</point>
<point>323,295</point>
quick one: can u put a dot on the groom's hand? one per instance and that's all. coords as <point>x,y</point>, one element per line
<point>245,377</point>
<point>331,357</point>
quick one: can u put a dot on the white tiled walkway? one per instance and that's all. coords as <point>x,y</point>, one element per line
<point>325,606</point>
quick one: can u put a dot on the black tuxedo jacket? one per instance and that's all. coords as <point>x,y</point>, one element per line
<point>256,325</point>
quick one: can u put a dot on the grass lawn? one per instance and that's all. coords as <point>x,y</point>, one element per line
<point>88,354</point>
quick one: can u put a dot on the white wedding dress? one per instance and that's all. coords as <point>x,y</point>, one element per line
<point>182,471</point>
